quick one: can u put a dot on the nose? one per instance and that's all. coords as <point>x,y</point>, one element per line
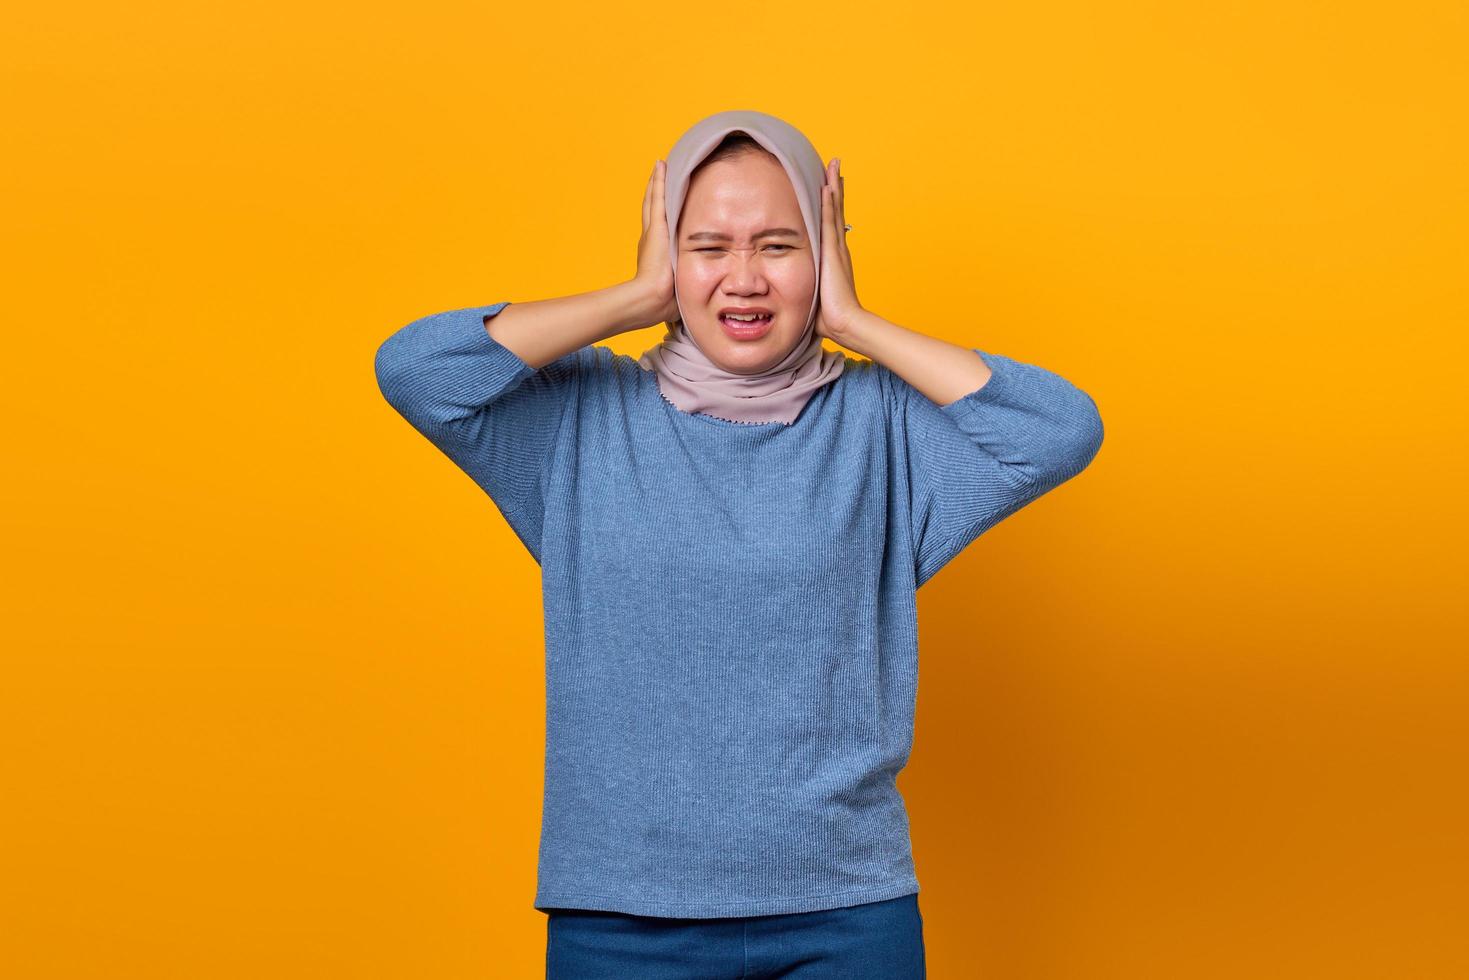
<point>745,270</point>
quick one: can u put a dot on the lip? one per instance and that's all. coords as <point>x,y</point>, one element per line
<point>746,331</point>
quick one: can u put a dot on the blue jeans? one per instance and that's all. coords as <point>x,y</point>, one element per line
<point>872,941</point>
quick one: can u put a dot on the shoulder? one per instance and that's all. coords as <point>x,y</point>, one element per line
<point>866,380</point>
<point>609,380</point>
<point>603,365</point>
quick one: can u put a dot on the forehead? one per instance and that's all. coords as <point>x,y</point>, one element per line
<point>751,196</point>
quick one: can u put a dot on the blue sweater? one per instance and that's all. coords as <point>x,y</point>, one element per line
<point>730,611</point>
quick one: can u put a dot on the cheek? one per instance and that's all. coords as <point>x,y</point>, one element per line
<point>797,285</point>
<point>695,280</point>
<point>796,276</point>
<point>794,284</point>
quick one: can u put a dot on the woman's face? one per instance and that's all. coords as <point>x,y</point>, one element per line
<point>722,264</point>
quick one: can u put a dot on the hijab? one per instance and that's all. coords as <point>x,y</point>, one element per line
<point>686,376</point>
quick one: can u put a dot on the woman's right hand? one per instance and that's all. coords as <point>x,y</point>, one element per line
<point>655,267</point>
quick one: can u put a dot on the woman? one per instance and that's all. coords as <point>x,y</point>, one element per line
<point>731,530</point>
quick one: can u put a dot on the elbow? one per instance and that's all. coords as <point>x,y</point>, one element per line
<point>1089,435</point>
<point>395,365</point>
<point>1077,445</point>
<point>1085,439</point>
<point>386,365</point>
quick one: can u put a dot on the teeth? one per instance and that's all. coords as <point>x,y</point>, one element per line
<point>746,316</point>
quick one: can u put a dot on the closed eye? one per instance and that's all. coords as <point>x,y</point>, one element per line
<point>786,247</point>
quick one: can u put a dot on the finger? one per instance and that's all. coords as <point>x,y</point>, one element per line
<point>834,234</point>
<point>660,194</point>
<point>648,196</point>
<point>826,234</point>
<point>838,186</point>
<point>842,202</point>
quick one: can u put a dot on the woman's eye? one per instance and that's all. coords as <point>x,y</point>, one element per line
<point>786,247</point>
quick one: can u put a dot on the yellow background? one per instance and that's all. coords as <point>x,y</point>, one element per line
<point>273,688</point>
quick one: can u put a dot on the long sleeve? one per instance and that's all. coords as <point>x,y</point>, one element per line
<point>981,458</point>
<point>486,409</point>
<point>731,645</point>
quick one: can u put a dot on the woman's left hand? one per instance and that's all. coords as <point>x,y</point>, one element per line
<point>837,305</point>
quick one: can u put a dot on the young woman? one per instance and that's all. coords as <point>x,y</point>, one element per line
<point>731,530</point>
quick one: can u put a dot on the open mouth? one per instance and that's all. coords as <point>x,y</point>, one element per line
<point>746,320</point>
<point>751,327</point>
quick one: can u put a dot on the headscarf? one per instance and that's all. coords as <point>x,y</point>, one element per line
<point>686,376</point>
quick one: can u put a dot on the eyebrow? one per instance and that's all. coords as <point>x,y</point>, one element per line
<point>715,236</point>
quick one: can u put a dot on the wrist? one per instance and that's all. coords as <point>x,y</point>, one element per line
<point>863,334</point>
<point>631,305</point>
<point>642,304</point>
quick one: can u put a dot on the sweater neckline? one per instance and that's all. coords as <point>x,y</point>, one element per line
<point>703,418</point>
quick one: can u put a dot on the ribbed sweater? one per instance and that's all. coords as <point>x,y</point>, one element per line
<point>731,636</point>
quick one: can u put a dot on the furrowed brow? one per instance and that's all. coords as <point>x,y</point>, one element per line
<point>715,236</point>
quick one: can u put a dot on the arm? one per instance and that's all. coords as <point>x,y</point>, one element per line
<point>940,370</point>
<point>486,407</point>
<point>983,434</point>
<point>547,329</point>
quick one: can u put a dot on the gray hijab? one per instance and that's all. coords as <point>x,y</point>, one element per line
<point>687,378</point>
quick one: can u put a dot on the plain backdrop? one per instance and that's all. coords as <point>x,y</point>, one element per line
<point>272,702</point>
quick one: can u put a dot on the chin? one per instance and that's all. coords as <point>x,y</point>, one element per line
<point>748,356</point>
<point>752,358</point>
